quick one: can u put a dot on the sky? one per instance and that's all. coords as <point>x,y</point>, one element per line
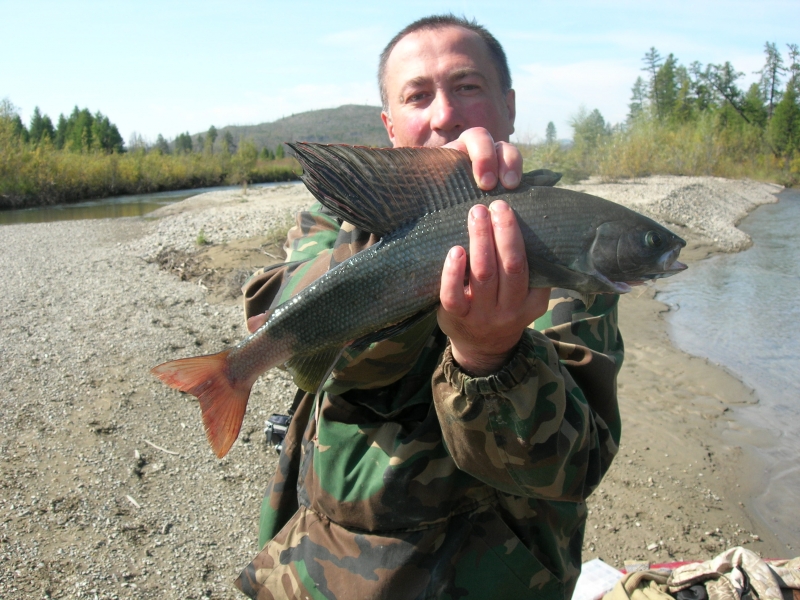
<point>168,67</point>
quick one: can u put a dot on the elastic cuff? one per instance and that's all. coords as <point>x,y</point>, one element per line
<point>516,370</point>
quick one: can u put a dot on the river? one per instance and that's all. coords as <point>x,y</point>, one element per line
<point>742,311</point>
<point>105,208</point>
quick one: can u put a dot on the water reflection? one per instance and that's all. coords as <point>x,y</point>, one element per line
<point>108,208</point>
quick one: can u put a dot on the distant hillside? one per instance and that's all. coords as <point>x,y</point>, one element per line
<point>349,124</point>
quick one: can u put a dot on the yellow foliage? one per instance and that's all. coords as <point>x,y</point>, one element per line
<point>31,176</point>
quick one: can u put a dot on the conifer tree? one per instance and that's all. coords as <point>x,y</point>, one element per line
<point>38,128</point>
<point>550,136</point>
<point>784,127</point>
<point>638,99</point>
<point>652,63</point>
<point>211,137</point>
<point>770,81</point>
<point>161,145</point>
<point>61,132</point>
<point>665,88</point>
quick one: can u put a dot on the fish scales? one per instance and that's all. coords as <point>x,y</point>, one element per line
<point>418,200</point>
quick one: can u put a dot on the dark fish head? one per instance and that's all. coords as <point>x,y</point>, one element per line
<point>636,250</point>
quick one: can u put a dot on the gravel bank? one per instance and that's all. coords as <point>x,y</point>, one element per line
<point>108,488</point>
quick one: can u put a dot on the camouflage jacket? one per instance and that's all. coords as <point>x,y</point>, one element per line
<point>411,479</point>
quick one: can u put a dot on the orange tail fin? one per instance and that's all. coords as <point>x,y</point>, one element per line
<point>222,401</point>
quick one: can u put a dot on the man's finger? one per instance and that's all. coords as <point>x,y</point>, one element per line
<point>479,145</point>
<point>451,290</point>
<point>512,262</point>
<point>482,257</point>
<point>509,161</point>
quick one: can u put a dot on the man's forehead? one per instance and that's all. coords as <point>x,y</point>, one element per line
<point>417,46</point>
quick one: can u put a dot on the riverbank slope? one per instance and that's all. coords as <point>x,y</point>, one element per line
<point>108,486</point>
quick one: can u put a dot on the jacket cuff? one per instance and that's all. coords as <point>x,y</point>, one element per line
<point>517,370</point>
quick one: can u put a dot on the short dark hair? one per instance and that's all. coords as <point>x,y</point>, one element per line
<point>496,52</point>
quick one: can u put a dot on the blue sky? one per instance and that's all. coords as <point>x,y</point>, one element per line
<point>168,67</point>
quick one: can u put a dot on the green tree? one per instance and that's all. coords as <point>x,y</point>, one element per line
<point>638,99</point>
<point>228,147</point>
<point>550,135</point>
<point>665,88</point>
<point>753,106</point>
<point>794,67</point>
<point>161,146</point>
<point>590,129</point>
<point>279,152</point>
<point>183,143</point>
<point>11,121</point>
<point>702,94</point>
<point>243,163</point>
<point>105,136</point>
<point>784,127</point>
<point>201,142</point>
<point>770,81</point>
<point>61,132</point>
<point>652,63</point>
<point>266,154</point>
<point>211,136</point>
<point>684,109</point>
<point>41,127</point>
<point>722,79</point>
<point>78,134</point>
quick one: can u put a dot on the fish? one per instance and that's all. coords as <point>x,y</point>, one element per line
<point>417,200</point>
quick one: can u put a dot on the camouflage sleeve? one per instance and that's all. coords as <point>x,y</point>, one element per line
<point>308,247</point>
<point>317,242</point>
<point>547,424</point>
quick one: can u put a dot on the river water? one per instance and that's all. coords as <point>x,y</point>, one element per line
<point>742,311</point>
<point>106,208</point>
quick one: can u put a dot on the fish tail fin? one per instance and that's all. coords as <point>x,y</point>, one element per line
<point>222,401</point>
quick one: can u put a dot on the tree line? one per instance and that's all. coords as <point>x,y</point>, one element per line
<point>82,131</point>
<point>692,120</point>
<point>83,156</point>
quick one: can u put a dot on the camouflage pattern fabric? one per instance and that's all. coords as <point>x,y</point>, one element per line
<point>408,478</point>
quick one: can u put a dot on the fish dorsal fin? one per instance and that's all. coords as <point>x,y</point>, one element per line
<point>541,177</point>
<point>381,189</point>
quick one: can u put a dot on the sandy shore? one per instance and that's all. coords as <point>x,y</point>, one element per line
<point>108,488</point>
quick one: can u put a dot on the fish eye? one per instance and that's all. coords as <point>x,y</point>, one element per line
<point>653,239</point>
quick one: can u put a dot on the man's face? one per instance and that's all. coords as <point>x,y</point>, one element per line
<point>440,82</point>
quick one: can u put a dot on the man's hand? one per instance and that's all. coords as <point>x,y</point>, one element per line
<point>485,311</point>
<point>490,159</point>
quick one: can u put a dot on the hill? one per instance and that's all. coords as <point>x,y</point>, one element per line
<point>348,124</point>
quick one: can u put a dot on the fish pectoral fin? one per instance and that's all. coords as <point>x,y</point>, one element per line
<point>222,401</point>
<point>391,331</point>
<point>541,177</point>
<point>310,371</point>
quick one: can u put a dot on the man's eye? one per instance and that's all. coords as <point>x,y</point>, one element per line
<point>468,87</point>
<point>416,97</point>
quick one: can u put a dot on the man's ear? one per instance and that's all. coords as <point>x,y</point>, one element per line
<point>387,123</point>
<point>511,105</point>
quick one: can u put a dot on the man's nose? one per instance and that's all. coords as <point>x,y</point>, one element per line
<point>445,115</point>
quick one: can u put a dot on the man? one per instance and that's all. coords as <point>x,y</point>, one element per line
<point>453,459</point>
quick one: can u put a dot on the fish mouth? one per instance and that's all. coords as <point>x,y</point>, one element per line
<point>669,264</point>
